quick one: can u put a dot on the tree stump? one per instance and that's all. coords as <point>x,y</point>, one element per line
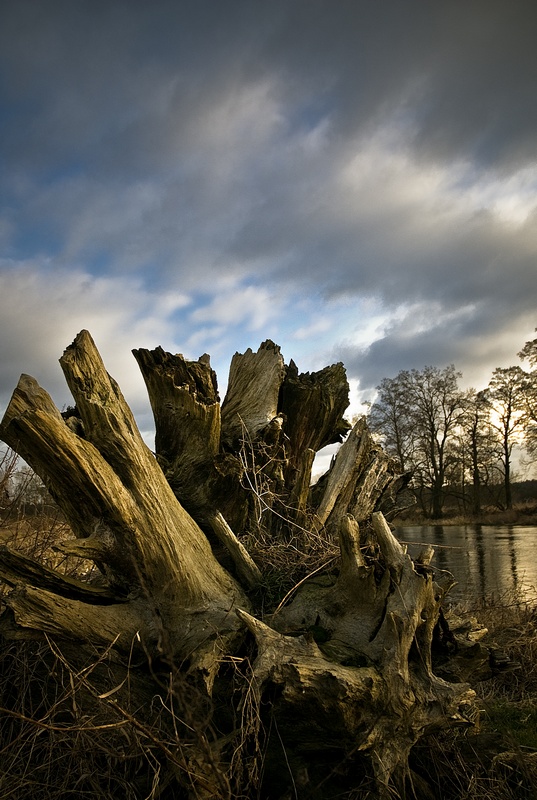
<point>335,672</point>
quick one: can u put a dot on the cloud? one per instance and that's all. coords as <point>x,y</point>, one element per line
<point>249,305</point>
<point>321,325</point>
<point>475,340</point>
<point>357,182</point>
<point>42,310</point>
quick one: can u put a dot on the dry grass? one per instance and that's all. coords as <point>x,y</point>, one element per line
<point>30,529</point>
<point>512,622</point>
<point>474,767</point>
<point>74,729</point>
<point>285,542</point>
<point>52,745</point>
<point>285,564</point>
<point>522,513</point>
<point>497,759</point>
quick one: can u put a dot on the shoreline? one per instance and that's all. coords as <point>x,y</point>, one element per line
<point>515,516</point>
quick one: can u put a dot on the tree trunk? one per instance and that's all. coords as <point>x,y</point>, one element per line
<point>211,553</point>
<point>507,473</point>
<point>476,474</point>
<point>437,500</point>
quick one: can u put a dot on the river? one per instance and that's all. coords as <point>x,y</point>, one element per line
<point>488,561</point>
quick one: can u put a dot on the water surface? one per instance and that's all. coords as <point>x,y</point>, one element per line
<point>486,560</point>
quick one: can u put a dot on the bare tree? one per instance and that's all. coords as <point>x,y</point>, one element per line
<point>418,413</point>
<point>391,417</point>
<point>476,451</point>
<point>529,353</point>
<point>506,395</point>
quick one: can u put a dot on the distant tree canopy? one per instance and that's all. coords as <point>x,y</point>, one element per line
<point>529,353</point>
<point>506,397</point>
<point>417,413</point>
<point>455,440</point>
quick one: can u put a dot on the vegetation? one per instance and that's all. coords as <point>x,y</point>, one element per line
<point>529,353</point>
<point>497,758</point>
<point>418,414</point>
<point>506,395</point>
<point>492,510</point>
<point>458,445</point>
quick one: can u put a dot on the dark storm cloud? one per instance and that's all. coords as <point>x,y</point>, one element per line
<point>475,338</point>
<point>382,150</point>
<point>118,75</point>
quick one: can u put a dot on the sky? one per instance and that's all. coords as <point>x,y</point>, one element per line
<point>355,180</point>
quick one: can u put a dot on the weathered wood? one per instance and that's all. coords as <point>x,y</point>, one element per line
<point>393,551</point>
<point>38,611</point>
<point>111,489</point>
<point>273,421</point>
<point>370,645</point>
<point>360,477</point>
<point>314,404</point>
<point>343,668</point>
<point>91,548</point>
<point>352,559</point>
<point>251,400</point>
<point>300,483</point>
<point>191,443</point>
<point>186,409</point>
<point>349,460</point>
<point>78,477</point>
<point>185,404</point>
<point>172,551</point>
<point>17,568</point>
<point>246,567</point>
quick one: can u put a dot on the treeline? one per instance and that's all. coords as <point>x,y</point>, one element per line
<point>454,442</point>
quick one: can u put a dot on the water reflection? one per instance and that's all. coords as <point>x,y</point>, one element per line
<point>485,559</point>
<point>481,567</point>
<point>512,558</point>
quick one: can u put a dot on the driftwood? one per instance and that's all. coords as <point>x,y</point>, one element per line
<point>341,667</point>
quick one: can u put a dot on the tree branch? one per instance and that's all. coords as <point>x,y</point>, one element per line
<point>16,568</point>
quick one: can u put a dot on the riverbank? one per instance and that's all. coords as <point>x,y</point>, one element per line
<point>495,758</point>
<point>520,514</point>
